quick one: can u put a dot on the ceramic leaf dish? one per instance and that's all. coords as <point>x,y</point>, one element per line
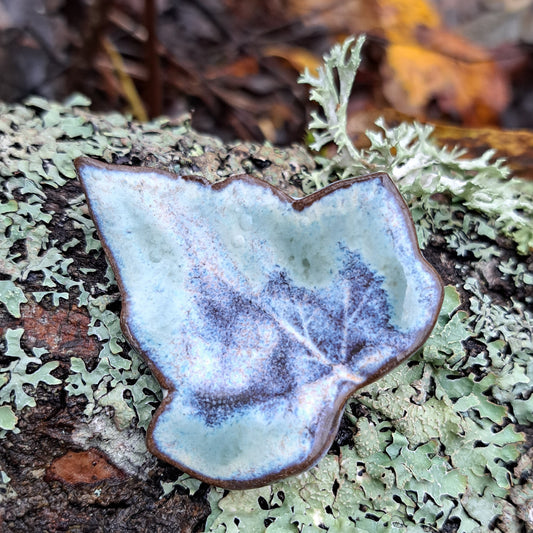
<point>259,314</point>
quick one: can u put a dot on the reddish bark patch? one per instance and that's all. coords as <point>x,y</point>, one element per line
<point>62,331</point>
<point>89,466</point>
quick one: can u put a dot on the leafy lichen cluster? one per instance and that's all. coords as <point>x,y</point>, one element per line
<point>434,444</point>
<point>419,167</point>
<point>39,144</point>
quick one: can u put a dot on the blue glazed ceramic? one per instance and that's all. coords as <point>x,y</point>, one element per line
<point>258,313</point>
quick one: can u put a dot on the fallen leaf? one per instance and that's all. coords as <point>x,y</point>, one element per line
<point>516,146</point>
<point>414,77</point>
<point>241,68</point>
<point>350,16</point>
<point>425,62</point>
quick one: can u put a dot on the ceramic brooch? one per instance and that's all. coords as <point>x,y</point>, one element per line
<point>258,313</point>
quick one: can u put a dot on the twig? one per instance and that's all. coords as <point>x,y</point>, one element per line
<point>128,87</point>
<point>154,87</point>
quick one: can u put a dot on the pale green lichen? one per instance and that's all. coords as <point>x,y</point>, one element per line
<point>38,143</point>
<point>109,383</point>
<point>12,297</point>
<point>185,481</point>
<point>419,167</point>
<point>6,491</point>
<point>433,444</point>
<point>413,444</point>
<point>23,371</point>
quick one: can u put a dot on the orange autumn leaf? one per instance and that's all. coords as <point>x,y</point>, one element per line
<point>425,62</point>
<point>415,76</point>
<point>400,19</point>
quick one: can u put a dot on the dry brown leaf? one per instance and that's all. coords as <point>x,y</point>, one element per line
<point>414,77</point>
<point>339,16</point>
<point>279,115</point>
<point>241,68</point>
<point>424,62</point>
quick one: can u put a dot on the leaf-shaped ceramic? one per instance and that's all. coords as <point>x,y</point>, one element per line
<point>258,313</point>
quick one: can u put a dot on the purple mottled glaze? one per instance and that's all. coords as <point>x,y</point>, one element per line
<point>259,314</point>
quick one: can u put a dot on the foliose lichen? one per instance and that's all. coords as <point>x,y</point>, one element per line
<point>436,443</point>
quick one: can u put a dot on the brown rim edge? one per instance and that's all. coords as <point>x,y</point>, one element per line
<point>334,416</point>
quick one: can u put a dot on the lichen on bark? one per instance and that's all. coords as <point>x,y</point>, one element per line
<point>440,443</point>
